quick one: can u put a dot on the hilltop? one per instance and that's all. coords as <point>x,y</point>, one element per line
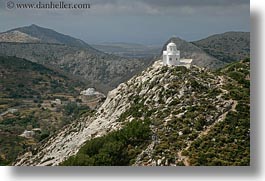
<point>215,51</point>
<point>199,56</point>
<point>162,116</point>
<point>37,34</point>
<point>227,47</point>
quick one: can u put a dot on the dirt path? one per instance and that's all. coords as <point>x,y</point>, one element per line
<point>185,159</point>
<point>147,151</point>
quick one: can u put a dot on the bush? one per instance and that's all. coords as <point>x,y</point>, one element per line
<point>115,149</point>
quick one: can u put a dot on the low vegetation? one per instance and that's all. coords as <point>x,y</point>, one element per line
<point>27,101</point>
<point>227,47</point>
<point>182,124</point>
<point>118,148</point>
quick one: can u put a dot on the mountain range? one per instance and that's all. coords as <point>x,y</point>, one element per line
<point>70,55</point>
<point>227,47</point>
<point>105,71</point>
<point>130,50</point>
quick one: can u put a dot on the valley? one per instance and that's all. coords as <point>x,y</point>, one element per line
<point>73,56</point>
<point>38,102</point>
<point>129,50</point>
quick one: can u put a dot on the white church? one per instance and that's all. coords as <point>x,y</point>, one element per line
<point>171,57</point>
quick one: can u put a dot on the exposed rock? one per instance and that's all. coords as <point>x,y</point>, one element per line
<point>174,125</point>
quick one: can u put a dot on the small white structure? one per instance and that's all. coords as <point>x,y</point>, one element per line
<point>27,134</point>
<point>91,92</point>
<point>186,63</point>
<point>57,102</point>
<point>172,57</point>
<point>12,110</point>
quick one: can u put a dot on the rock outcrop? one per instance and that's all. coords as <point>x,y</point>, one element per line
<point>184,107</point>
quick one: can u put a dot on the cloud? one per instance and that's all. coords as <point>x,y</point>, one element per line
<point>175,3</point>
<point>139,7</point>
<point>135,20</point>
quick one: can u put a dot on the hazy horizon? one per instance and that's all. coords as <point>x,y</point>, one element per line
<point>149,22</point>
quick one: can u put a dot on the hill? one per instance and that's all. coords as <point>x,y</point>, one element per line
<point>35,99</point>
<point>41,35</point>
<point>21,78</point>
<point>199,56</point>
<point>162,116</point>
<point>227,47</point>
<point>17,36</point>
<point>70,55</point>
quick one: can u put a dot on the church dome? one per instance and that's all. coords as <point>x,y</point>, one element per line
<point>171,44</point>
<point>171,47</point>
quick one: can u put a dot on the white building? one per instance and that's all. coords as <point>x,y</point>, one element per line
<point>91,92</point>
<point>27,134</point>
<point>57,102</point>
<point>172,57</point>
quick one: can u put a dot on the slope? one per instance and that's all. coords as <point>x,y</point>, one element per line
<point>70,55</point>
<point>45,35</point>
<point>182,107</point>
<point>21,78</point>
<point>27,93</point>
<point>227,47</point>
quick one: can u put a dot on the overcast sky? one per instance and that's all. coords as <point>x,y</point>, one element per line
<point>135,21</point>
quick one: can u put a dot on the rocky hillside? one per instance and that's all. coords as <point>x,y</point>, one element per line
<point>227,47</point>
<point>21,78</point>
<point>70,55</point>
<point>163,116</point>
<point>17,36</point>
<point>199,56</point>
<point>27,95</point>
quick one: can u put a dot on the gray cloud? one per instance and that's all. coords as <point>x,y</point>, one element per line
<point>163,6</point>
<point>144,21</point>
<point>176,3</point>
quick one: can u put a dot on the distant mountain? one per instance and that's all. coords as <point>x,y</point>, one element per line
<point>44,35</point>
<point>130,50</point>
<point>227,47</point>
<point>71,55</point>
<point>17,36</point>
<point>165,116</point>
<point>199,56</point>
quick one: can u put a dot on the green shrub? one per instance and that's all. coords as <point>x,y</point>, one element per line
<point>116,148</point>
